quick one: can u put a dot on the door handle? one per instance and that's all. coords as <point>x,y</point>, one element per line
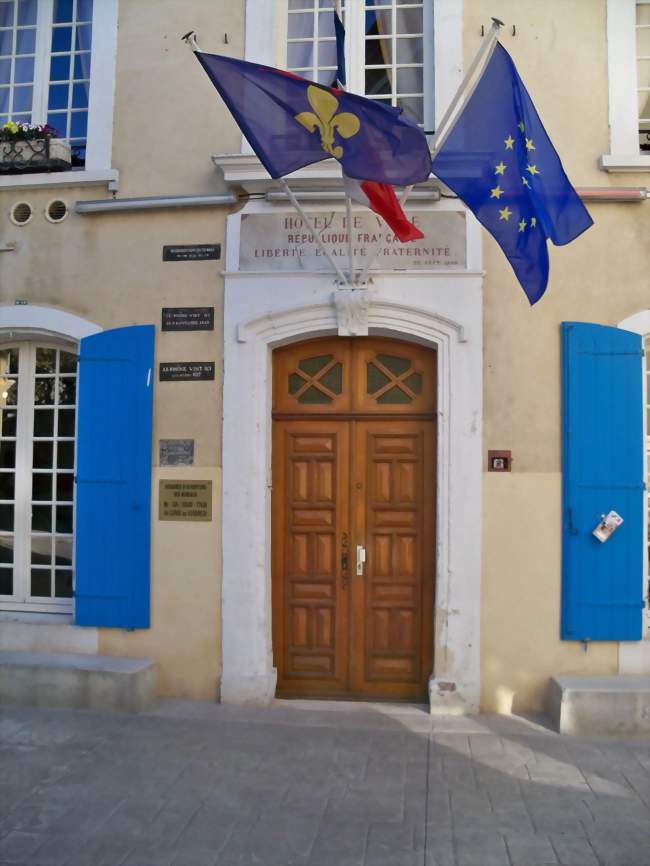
<point>361,558</point>
<point>345,561</point>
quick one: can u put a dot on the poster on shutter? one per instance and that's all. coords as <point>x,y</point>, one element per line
<point>185,500</point>
<point>283,242</point>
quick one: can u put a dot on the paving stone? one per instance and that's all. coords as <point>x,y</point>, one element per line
<point>482,849</point>
<point>17,846</point>
<point>573,851</point>
<point>529,849</point>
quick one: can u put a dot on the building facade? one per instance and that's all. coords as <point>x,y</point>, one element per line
<point>267,482</point>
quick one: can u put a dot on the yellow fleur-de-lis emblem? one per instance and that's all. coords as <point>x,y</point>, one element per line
<point>325,119</point>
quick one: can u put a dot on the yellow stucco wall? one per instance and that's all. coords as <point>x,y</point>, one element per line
<point>108,268</point>
<point>560,50</point>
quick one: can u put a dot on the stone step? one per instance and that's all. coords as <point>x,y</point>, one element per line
<point>595,706</point>
<point>76,681</point>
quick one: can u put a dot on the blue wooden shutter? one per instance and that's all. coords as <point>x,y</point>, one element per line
<point>112,535</point>
<point>602,583</point>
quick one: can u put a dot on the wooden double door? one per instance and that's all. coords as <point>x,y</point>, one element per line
<point>353,523</point>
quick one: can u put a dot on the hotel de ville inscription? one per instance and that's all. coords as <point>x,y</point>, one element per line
<point>283,242</point>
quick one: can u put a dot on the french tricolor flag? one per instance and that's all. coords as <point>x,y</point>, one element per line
<point>381,198</point>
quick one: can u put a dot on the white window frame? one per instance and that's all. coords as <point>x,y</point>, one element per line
<point>100,97</point>
<point>624,152</point>
<point>266,35</point>
<point>22,480</point>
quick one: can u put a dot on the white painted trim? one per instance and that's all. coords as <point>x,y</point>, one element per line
<point>639,323</point>
<point>110,178</point>
<point>102,85</point>
<point>27,320</point>
<point>447,52</point>
<point>622,83</point>
<point>265,311</point>
<point>624,162</point>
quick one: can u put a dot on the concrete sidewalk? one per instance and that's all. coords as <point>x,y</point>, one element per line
<point>303,784</point>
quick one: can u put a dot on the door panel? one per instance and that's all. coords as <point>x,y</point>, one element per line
<point>310,508</point>
<point>393,513</point>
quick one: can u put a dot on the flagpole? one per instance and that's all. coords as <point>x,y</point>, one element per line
<point>451,108</point>
<point>323,248</point>
<point>487,46</point>
<point>348,199</point>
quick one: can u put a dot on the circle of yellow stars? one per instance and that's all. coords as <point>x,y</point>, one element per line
<point>496,192</point>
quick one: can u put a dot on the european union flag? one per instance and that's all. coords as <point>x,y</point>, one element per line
<point>501,163</point>
<point>291,122</point>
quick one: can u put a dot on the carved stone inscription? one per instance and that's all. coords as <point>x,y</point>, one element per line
<point>283,242</point>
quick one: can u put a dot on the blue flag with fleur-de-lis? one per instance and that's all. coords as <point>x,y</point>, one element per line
<point>499,160</point>
<point>291,122</point>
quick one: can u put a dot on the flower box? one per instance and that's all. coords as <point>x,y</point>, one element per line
<point>19,156</point>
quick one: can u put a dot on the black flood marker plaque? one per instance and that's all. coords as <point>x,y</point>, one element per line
<point>191,252</point>
<point>187,371</point>
<point>188,318</point>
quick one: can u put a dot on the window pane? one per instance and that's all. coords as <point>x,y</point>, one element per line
<point>643,13</point>
<point>44,422</point>
<point>378,82</point>
<point>7,14</point>
<point>80,95</point>
<point>6,485</point>
<point>410,81</point>
<point>6,549</point>
<point>60,68</point>
<point>83,38</point>
<point>379,52</point>
<point>27,12</point>
<point>409,21</point>
<point>5,71</point>
<point>643,42</point>
<point>66,422</point>
<point>41,486</point>
<point>59,122</point>
<point>45,360</point>
<point>63,583</point>
<point>8,422</point>
<point>65,455</point>
<point>6,518</point>
<point>6,42</point>
<point>5,93</point>
<point>413,108</point>
<point>6,581</point>
<point>9,392</point>
<point>64,487</point>
<point>84,10</point>
<point>25,41</point>
<point>379,23</point>
<point>7,455</point>
<point>79,125</point>
<point>299,55</point>
<point>62,11</point>
<point>64,518</point>
<point>58,97</point>
<point>41,549</point>
<point>301,25</point>
<point>41,580</point>
<point>81,66</point>
<point>44,391</point>
<point>63,551</point>
<point>67,360</point>
<point>409,50</point>
<point>24,70</point>
<point>42,518</point>
<point>22,99</point>
<point>43,455</point>
<point>68,391</point>
<point>61,39</point>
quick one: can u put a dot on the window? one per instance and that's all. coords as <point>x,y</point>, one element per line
<point>643,71</point>
<point>57,66</point>
<point>38,397</point>
<point>388,49</point>
<point>647,445</point>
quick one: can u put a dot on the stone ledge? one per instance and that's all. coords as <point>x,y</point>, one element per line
<point>595,706</point>
<point>77,681</point>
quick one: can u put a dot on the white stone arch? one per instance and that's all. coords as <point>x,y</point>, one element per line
<point>26,320</point>
<point>250,336</point>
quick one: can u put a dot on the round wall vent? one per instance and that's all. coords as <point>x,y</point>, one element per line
<point>21,213</point>
<point>56,211</point>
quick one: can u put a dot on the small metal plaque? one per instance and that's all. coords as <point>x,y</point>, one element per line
<point>187,371</point>
<point>188,319</point>
<point>191,252</point>
<point>177,452</point>
<point>185,500</point>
